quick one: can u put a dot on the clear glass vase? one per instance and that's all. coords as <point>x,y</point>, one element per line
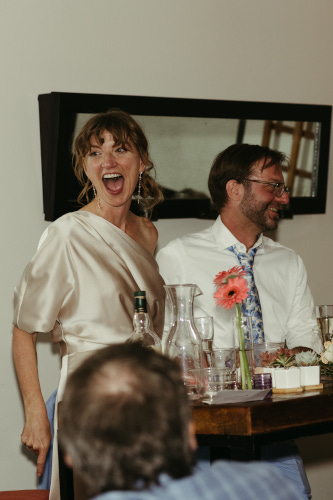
<point>243,335</point>
<point>183,342</point>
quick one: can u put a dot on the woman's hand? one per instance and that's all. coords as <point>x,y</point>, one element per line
<point>36,435</point>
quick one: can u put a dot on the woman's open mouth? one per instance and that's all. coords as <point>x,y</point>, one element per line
<point>113,183</point>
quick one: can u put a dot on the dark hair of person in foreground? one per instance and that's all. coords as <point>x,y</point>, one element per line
<point>125,410</point>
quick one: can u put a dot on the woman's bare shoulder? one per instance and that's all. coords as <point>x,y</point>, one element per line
<point>148,224</point>
<point>145,233</point>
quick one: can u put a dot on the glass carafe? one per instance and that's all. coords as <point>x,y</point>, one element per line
<point>183,342</point>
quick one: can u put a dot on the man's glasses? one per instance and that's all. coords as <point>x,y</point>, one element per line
<point>279,187</point>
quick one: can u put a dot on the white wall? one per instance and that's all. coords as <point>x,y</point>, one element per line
<point>259,50</point>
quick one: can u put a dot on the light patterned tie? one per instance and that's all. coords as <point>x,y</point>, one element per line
<point>251,306</point>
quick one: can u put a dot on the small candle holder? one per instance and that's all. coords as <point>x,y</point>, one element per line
<point>263,381</point>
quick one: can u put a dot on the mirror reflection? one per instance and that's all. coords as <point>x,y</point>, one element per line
<point>183,149</point>
<point>185,135</point>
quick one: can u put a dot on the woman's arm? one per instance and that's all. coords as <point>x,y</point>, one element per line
<point>36,434</point>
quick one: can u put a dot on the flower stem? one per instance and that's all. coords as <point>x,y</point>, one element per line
<point>244,365</point>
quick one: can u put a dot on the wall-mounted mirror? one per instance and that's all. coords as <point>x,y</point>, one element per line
<point>185,135</point>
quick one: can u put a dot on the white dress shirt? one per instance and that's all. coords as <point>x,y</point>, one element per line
<point>279,273</point>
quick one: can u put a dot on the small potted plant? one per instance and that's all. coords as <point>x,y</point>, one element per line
<point>287,376</point>
<point>308,361</point>
<point>282,366</point>
<point>283,358</point>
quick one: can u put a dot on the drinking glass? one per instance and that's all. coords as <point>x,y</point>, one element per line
<point>205,327</point>
<point>215,381</point>
<point>225,359</point>
<point>261,348</point>
<point>325,321</point>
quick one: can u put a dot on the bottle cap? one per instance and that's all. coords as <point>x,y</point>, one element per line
<point>140,304</point>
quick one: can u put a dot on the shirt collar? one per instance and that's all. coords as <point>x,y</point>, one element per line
<point>225,239</point>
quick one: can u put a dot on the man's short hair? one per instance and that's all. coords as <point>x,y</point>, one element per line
<point>125,418</point>
<point>237,162</point>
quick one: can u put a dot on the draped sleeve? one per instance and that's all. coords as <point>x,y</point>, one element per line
<point>46,281</point>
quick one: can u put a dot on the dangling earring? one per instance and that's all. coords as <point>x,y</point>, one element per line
<point>97,199</point>
<point>139,187</point>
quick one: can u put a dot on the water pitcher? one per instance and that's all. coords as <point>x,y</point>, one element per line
<point>183,341</point>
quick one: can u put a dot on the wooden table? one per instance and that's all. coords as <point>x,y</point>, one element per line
<point>238,430</point>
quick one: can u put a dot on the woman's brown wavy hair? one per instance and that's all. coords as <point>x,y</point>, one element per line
<point>124,129</point>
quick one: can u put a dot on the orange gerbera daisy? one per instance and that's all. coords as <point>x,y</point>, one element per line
<point>233,292</point>
<point>223,277</point>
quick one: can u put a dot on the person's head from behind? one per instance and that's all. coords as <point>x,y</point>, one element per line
<point>125,132</point>
<point>252,175</point>
<point>125,419</point>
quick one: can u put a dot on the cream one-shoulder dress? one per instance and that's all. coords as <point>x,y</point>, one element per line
<point>79,286</point>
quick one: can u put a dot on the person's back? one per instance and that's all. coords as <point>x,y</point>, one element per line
<point>126,428</point>
<point>222,481</point>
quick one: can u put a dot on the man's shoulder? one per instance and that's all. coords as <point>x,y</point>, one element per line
<point>192,240</point>
<point>285,260</point>
<point>251,480</point>
<point>271,245</point>
<point>227,480</point>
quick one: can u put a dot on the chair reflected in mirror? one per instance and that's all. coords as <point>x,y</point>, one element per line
<point>302,150</point>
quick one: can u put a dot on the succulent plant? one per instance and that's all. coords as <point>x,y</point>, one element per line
<point>282,358</point>
<point>284,361</point>
<point>306,358</point>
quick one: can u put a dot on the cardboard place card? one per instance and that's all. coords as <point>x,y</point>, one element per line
<point>239,396</point>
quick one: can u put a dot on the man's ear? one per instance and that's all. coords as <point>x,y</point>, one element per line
<point>68,460</point>
<point>235,190</point>
<point>192,436</point>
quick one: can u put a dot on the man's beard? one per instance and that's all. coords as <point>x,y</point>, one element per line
<point>256,212</point>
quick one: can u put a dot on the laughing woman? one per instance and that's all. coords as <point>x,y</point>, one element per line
<point>79,285</point>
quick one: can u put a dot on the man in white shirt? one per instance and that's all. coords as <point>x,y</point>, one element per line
<point>247,187</point>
